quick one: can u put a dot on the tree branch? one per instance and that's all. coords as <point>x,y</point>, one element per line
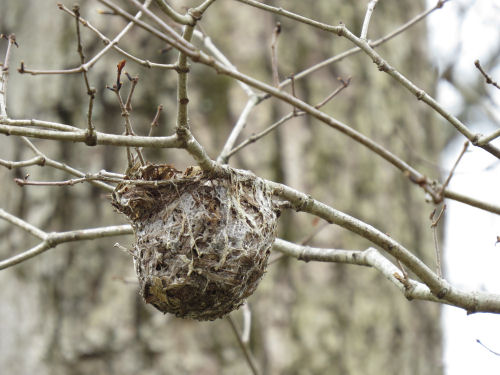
<point>84,67</point>
<point>470,301</point>
<point>369,11</point>
<point>486,76</point>
<point>21,128</point>
<point>4,74</point>
<point>37,160</point>
<point>112,43</point>
<point>385,67</point>
<point>51,240</point>
<point>201,157</point>
<point>438,287</point>
<point>374,44</point>
<point>244,347</point>
<point>173,14</point>
<point>237,129</point>
<point>63,166</point>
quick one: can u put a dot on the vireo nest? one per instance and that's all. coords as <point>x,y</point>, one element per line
<point>202,242</point>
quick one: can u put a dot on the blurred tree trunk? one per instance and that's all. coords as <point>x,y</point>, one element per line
<point>69,311</point>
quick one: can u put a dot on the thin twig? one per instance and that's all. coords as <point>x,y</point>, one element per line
<point>90,126</point>
<point>369,11</point>
<point>471,201</point>
<point>252,101</point>
<point>488,78</point>
<point>27,227</point>
<point>24,70</point>
<point>403,270</point>
<point>247,323</point>
<point>134,81</point>
<point>37,160</point>
<point>292,80</point>
<point>436,242</point>
<point>155,123</point>
<point>4,74</point>
<point>93,177</point>
<point>91,91</point>
<point>488,349</point>
<point>74,181</point>
<point>126,108</point>
<point>306,240</point>
<point>294,113</point>
<point>255,137</point>
<point>42,160</point>
<point>291,15</point>
<point>97,177</point>
<point>452,171</point>
<point>63,166</point>
<point>210,46</point>
<point>227,152</point>
<point>345,84</point>
<point>109,44</point>
<point>274,54</point>
<point>243,346</point>
<point>76,11</point>
<point>171,36</point>
<point>125,250</point>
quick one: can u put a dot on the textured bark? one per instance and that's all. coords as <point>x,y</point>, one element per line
<point>69,311</point>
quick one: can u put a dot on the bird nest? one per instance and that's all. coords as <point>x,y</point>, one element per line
<point>202,242</point>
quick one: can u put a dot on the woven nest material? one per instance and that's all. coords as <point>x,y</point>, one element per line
<point>202,243</point>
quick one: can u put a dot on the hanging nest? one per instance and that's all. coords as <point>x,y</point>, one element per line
<point>202,243</point>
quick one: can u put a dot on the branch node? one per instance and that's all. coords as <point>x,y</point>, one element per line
<point>476,138</point>
<point>21,68</point>
<point>486,76</point>
<point>442,293</point>
<point>90,138</point>
<point>407,285</point>
<point>195,14</point>
<point>180,69</point>
<point>51,241</point>
<point>305,204</point>
<point>182,134</point>
<point>440,4</point>
<point>420,94</point>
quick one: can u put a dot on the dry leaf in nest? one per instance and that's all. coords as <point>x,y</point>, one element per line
<point>202,243</point>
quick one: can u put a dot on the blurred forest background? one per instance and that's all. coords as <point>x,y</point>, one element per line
<point>73,310</point>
